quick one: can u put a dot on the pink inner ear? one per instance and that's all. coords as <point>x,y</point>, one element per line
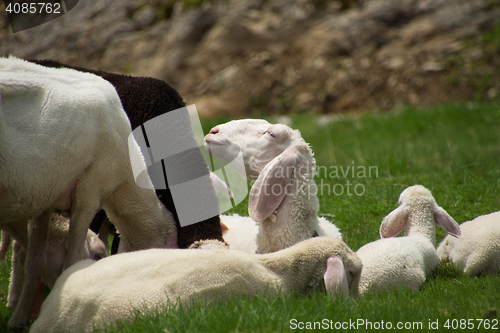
<point>446,222</point>
<point>335,277</point>
<point>394,222</point>
<point>273,183</point>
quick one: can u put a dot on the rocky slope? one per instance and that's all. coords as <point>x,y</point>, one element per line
<point>243,57</point>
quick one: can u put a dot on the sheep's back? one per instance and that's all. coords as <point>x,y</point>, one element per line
<point>110,289</point>
<point>397,261</point>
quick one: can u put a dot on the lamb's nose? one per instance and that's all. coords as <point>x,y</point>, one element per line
<point>214,130</point>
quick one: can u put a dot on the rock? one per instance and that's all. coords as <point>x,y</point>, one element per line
<point>242,56</point>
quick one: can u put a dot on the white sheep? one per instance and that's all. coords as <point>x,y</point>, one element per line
<point>96,293</point>
<point>94,249</point>
<point>405,261</point>
<point>478,250</point>
<point>283,198</point>
<point>64,146</point>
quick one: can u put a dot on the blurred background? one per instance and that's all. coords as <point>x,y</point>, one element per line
<point>271,57</point>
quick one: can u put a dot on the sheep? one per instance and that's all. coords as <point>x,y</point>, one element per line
<point>64,146</point>
<point>94,249</point>
<point>405,261</point>
<point>144,98</point>
<point>283,197</point>
<point>240,232</point>
<point>150,279</point>
<point>478,250</point>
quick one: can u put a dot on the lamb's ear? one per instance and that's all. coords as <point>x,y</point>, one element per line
<point>272,185</point>
<point>394,222</point>
<point>335,277</point>
<point>223,227</point>
<point>446,222</point>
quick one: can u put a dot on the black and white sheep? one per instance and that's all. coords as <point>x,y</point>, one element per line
<point>144,98</point>
<point>64,147</point>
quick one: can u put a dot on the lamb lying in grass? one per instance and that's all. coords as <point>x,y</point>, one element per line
<point>283,197</point>
<point>478,250</point>
<point>92,293</point>
<point>405,261</point>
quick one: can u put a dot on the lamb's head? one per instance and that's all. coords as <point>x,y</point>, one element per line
<point>318,262</point>
<point>417,212</point>
<point>259,141</point>
<point>275,156</point>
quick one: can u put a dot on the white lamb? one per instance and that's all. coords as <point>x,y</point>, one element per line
<point>283,197</point>
<point>92,294</point>
<point>478,250</point>
<point>405,261</point>
<point>64,146</point>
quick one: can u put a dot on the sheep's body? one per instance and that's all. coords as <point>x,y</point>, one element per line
<point>405,261</point>
<point>478,250</point>
<point>149,279</point>
<point>283,197</point>
<point>94,249</point>
<point>61,132</point>
<point>143,99</point>
<point>396,262</point>
<point>242,231</point>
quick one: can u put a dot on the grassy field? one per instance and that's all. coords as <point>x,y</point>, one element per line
<point>453,150</point>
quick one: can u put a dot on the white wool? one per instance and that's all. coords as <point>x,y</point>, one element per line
<point>98,293</point>
<point>478,250</point>
<point>405,261</point>
<point>283,197</point>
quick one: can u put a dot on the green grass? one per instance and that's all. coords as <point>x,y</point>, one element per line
<point>452,149</point>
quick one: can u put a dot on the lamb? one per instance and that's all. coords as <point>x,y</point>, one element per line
<point>94,249</point>
<point>405,261</point>
<point>240,232</point>
<point>151,278</point>
<point>283,197</point>
<point>143,99</point>
<point>478,250</point>
<point>64,146</point>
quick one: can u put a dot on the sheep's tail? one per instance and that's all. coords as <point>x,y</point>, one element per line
<point>4,245</point>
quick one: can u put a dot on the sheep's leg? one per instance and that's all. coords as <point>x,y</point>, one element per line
<point>18,230</point>
<point>79,224</point>
<point>16,275</point>
<point>5,245</point>
<point>35,262</point>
